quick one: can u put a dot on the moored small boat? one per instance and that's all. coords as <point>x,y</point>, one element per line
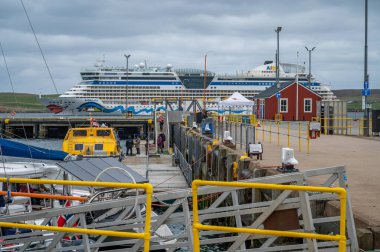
<point>92,142</point>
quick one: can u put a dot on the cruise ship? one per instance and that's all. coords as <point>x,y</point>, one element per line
<point>104,90</point>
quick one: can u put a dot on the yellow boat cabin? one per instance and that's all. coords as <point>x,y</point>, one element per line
<point>92,142</point>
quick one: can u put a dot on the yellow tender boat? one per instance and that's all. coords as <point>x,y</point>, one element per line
<point>92,142</point>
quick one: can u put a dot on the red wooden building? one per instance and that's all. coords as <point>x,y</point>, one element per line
<point>284,101</point>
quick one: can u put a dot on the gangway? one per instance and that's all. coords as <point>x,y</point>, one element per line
<point>218,205</point>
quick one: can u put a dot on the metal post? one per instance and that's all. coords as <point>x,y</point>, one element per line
<point>204,84</point>
<point>299,136</point>
<point>241,136</point>
<point>147,154</point>
<point>308,138</point>
<point>288,134</point>
<point>270,131</point>
<point>297,113</point>
<point>278,29</point>
<point>235,134</point>
<point>255,135</point>
<point>309,76</point>
<point>366,77</point>
<point>126,84</point>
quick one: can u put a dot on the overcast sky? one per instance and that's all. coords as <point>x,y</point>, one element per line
<point>239,35</point>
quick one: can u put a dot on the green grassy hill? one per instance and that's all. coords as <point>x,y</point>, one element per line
<point>21,102</point>
<point>354,98</point>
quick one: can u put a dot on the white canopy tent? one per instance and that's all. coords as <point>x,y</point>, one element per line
<point>236,99</point>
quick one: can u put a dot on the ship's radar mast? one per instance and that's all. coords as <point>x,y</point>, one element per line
<point>100,62</point>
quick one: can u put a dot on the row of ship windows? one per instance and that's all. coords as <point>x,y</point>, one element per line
<point>136,96</point>
<point>156,90</point>
<point>123,87</point>
<point>163,92</point>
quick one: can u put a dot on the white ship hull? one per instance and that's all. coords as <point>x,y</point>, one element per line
<point>77,107</point>
<point>104,90</point>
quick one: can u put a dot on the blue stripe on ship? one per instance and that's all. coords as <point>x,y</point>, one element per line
<point>117,108</point>
<point>132,109</point>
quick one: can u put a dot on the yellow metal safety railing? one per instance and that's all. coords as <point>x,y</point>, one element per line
<point>241,118</point>
<point>344,125</point>
<point>291,130</point>
<point>340,238</point>
<point>147,187</point>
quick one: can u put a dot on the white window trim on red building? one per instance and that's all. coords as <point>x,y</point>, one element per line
<point>286,106</point>
<point>311,105</point>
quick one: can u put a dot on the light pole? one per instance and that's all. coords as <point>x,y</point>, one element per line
<point>204,83</point>
<point>278,29</point>
<point>126,85</point>
<point>309,76</point>
<point>366,77</point>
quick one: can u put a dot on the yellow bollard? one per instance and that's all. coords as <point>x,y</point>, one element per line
<point>288,134</point>
<point>299,136</point>
<point>234,170</point>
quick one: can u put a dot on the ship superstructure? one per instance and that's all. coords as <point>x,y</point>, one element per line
<point>105,89</point>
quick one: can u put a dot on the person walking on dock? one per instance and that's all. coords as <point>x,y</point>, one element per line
<point>161,122</point>
<point>136,143</point>
<point>129,145</point>
<point>161,142</point>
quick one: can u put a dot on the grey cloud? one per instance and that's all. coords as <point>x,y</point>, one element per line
<point>240,35</point>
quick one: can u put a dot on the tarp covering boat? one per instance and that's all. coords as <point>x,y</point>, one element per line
<point>27,169</point>
<point>16,149</point>
<point>110,170</point>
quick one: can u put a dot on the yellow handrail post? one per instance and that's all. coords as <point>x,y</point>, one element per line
<point>343,208</point>
<point>299,136</point>
<point>270,131</point>
<point>308,138</point>
<point>288,134</point>
<point>263,137</point>
<point>325,126</point>
<point>196,239</point>
<point>361,123</point>
<point>149,192</point>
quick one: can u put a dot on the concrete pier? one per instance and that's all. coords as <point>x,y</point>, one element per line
<point>56,127</point>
